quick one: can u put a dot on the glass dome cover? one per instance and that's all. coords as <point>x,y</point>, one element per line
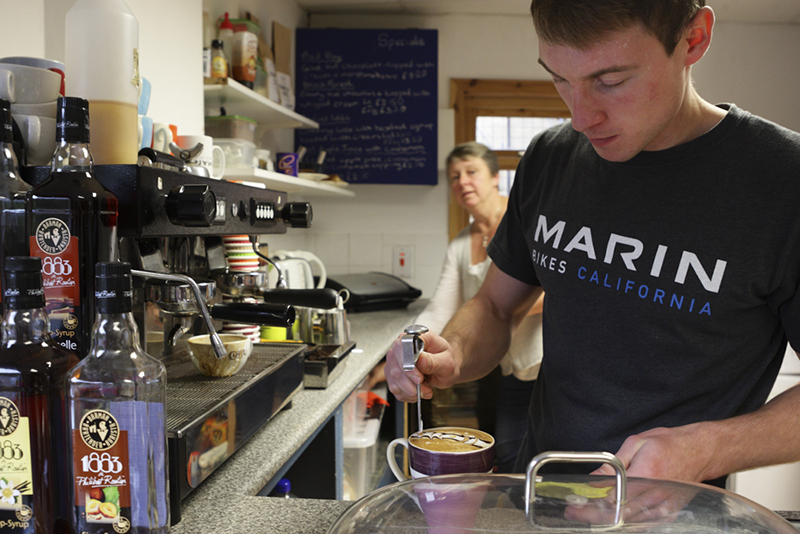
<point>486,503</point>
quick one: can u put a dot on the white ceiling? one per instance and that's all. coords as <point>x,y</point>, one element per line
<point>755,11</point>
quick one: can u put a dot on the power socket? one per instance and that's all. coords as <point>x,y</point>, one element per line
<point>403,261</point>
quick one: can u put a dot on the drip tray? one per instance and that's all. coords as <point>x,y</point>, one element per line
<point>209,418</point>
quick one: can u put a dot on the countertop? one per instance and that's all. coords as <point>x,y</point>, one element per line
<point>227,501</point>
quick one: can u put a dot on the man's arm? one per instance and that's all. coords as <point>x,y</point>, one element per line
<point>708,450</point>
<point>480,333</point>
<point>472,343</point>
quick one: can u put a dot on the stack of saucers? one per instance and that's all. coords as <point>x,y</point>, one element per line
<point>240,254</point>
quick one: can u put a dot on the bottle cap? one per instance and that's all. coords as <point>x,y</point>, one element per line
<point>216,43</point>
<point>6,130</point>
<point>226,24</point>
<point>23,287</point>
<point>284,486</point>
<point>113,293</point>
<point>72,120</point>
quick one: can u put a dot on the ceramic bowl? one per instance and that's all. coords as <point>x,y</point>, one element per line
<point>205,360</point>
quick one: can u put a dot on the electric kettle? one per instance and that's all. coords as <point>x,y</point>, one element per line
<point>296,266</point>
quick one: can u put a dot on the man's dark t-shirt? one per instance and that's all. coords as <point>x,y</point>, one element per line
<point>670,280</point>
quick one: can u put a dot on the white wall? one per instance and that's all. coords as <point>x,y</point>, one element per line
<point>754,66</point>
<point>23,28</point>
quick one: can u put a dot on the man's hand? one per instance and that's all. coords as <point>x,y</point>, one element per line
<point>436,367</point>
<point>678,453</point>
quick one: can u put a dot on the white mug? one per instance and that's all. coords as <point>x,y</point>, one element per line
<point>212,157</point>
<point>39,134</point>
<point>41,63</point>
<point>145,131</point>
<point>43,109</point>
<point>162,137</point>
<point>28,85</point>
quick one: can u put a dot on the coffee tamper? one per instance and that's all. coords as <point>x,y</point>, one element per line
<point>412,346</point>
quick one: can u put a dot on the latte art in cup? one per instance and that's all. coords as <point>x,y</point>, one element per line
<point>451,440</point>
<point>443,451</point>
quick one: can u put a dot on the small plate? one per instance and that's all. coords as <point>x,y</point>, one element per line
<point>336,183</point>
<point>312,176</point>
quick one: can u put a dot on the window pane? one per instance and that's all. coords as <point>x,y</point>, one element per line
<point>506,179</point>
<point>511,133</point>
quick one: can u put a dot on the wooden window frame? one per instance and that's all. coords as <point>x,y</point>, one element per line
<point>473,98</point>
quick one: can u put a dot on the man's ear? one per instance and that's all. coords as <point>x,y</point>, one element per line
<point>698,35</point>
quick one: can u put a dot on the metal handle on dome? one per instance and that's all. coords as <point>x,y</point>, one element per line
<point>576,457</point>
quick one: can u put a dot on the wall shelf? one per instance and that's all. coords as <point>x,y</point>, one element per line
<point>289,184</point>
<point>240,100</point>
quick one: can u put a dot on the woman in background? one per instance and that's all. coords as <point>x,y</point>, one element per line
<point>474,176</point>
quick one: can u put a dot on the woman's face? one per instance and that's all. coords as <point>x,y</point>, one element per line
<point>471,181</point>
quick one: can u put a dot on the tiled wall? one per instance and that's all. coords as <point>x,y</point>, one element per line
<point>361,252</point>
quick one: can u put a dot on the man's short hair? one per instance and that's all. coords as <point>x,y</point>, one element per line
<point>583,23</point>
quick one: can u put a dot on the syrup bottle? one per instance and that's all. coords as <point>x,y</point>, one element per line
<point>72,224</point>
<point>34,484</point>
<point>13,237</point>
<point>115,405</point>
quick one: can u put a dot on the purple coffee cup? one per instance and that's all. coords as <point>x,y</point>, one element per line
<point>444,451</point>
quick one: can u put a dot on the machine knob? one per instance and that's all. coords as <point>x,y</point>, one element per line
<point>297,214</point>
<point>191,205</point>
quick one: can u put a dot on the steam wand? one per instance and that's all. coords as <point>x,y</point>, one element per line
<point>216,342</point>
<point>281,284</point>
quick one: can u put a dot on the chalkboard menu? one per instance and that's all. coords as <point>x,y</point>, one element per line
<point>374,95</point>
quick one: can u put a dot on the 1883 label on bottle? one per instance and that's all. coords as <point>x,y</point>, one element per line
<point>52,236</point>
<point>53,242</point>
<point>16,475</point>
<point>100,461</point>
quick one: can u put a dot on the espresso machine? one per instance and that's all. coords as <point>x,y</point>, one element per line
<point>170,227</point>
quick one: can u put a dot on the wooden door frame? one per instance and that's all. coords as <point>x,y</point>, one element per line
<point>473,98</point>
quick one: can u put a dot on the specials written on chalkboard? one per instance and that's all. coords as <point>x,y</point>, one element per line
<point>374,95</point>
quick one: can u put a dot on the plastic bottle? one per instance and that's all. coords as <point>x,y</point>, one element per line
<point>226,36</point>
<point>116,411</point>
<point>219,61</point>
<point>102,58</point>
<point>245,53</point>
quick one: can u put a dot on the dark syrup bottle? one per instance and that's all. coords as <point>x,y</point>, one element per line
<point>35,494</point>
<point>72,224</point>
<point>13,236</point>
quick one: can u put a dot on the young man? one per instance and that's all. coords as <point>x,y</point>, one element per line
<point>665,232</point>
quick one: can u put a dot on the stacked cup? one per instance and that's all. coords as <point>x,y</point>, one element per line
<point>240,257</point>
<point>33,85</point>
<point>239,254</point>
